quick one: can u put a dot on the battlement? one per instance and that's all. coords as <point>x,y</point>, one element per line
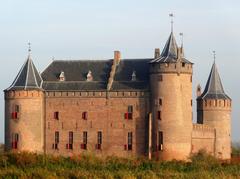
<point>23,94</point>
<point>202,127</point>
<point>98,94</point>
<point>171,68</point>
<point>213,104</point>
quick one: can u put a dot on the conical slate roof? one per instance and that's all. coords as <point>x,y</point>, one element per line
<point>170,48</point>
<point>27,78</point>
<point>214,87</point>
<point>170,52</point>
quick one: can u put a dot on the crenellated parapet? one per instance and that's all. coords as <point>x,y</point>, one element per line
<point>180,67</point>
<point>19,94</point>
<point>96,94</point>
<point>203,128</point>
<point>214,104</point>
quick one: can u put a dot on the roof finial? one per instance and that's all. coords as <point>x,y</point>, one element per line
<point>172,16</point>
<point>214,55</point>
<point>29,48</point>
<point>181,35</point>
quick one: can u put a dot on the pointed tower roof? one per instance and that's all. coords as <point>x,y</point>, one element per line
<point>170,52</point>
<point>170,48</point>
<point>27,78</point>
<point>214,88</point>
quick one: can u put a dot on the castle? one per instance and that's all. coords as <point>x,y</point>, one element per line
<point>121,107</point>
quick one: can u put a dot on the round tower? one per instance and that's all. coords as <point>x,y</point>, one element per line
<point>214,109</point>
<point>171,102</point>
<point>24,111</point>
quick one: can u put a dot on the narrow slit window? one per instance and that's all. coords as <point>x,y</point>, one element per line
<point>15,112</point>
<point>84,115</point>
<point>160,140</point>
<point>84,142</point>
<point>99,140</point>
<point>15,139</point>
<point>129,113</point>
<point>159,115</point>
<point>130,140</point>
<point>70,141</point>
<point>55,145</point>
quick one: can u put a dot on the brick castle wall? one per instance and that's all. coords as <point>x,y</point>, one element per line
<point>172,84</point>
<point>105,114</point>
<point>217,114</point>
<point>29,124</point>
<point>203,138</point>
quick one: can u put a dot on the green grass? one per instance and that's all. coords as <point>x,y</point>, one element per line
<point>30,165</point>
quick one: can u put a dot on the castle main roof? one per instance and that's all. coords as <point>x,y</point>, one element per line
<point>214,88</point>
<point>75,72</point>
<point>27,78</point>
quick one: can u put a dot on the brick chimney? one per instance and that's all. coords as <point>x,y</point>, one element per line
<point>157,53</point>
<point>117,56</point>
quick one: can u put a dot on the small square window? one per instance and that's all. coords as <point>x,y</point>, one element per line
<point>160,77</point>
<point>56,115</point>
<point>130,109</point>
<point>160,102</point>
<point>84,115</point>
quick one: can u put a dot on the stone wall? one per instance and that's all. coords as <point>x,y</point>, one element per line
<point>203,138</point>
<point>29,124</point>
<point>105,113</point>
<point>172,84</point>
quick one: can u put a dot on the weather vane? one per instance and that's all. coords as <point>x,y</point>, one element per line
<point>214,55</point>
<point>171,16</point>
<point>29,47</point>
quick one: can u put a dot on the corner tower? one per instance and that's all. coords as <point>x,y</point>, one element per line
<point>214,109</point>
<point>24,103</point>
<point>171,102</point>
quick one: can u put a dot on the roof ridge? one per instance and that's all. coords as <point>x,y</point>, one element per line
<point>83,60</point>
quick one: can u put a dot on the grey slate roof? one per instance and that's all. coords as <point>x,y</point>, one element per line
<point>214,87</point>
<point>170,52</point>
<point>27,78</point>
<point>75,72</point>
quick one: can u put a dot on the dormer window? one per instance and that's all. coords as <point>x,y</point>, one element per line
<point>134,76</point>
<point>89,76</point>
<point>62,76</point>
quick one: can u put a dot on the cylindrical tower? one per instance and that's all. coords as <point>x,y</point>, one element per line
<point>214,109</point>
<point>171,101</point>
<point>24,111</point>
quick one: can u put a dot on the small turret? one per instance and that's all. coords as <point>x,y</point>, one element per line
<point>214,109</point>
<point>24,102</point>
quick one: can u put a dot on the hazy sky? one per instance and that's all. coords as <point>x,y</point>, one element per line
<point>93,29</point>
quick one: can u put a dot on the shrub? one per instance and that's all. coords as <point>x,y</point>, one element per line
<point>204,161</point>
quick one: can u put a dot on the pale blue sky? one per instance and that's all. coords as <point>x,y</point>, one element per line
<point>77,29</point>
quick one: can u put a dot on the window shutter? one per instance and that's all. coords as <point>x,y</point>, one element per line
<point>126,115</point>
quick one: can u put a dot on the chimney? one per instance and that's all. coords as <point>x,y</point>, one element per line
<point>117,56</point>
<point>157,53</point>
<point>180,53</point>
<point>199,90</point>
